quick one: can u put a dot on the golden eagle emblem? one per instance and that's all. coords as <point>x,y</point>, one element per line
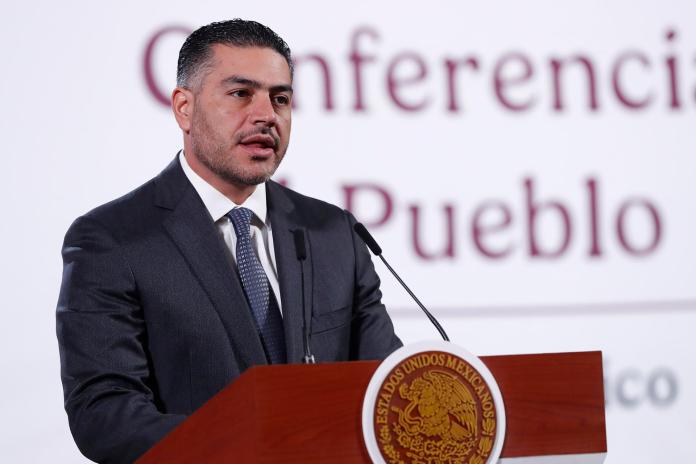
<point>435,408</point>
<point>439,406</point>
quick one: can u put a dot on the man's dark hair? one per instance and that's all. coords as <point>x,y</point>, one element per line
<point>196,52</point>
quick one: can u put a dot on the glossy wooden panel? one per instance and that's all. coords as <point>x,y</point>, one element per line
<point>312,414</point>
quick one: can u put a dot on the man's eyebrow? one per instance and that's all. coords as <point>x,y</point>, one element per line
<point>242,80</point>
<point>255,84</point>
<point>282,88</point>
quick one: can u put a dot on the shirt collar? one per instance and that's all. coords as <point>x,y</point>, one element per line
<point>217,204</point>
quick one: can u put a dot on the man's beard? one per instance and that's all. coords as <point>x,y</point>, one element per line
<point>215,155</point>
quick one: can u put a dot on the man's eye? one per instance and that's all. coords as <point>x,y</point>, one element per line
<point>281,100</point>
<point>242,93</point>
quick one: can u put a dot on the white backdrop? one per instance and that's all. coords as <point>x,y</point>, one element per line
<point>498,131</point>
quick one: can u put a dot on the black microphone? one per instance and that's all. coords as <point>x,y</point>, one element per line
<point>301,252</point>
<point>374,248</point>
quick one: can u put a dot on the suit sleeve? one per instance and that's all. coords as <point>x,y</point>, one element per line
<point>107,381</point>
<point>373,332</point>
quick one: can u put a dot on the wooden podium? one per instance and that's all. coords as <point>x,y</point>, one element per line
<point>554,404</point>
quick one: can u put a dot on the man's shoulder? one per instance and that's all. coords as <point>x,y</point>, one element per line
<point>140,208</point>
<point>126,204</point>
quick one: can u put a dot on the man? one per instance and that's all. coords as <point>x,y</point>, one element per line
<point>172,291</point>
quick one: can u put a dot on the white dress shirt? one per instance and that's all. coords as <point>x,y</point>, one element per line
<point>218,205</point>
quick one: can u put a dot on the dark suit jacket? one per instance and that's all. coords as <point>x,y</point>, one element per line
<point>152,320</point>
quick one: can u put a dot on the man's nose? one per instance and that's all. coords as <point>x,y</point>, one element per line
<point>263,111</point>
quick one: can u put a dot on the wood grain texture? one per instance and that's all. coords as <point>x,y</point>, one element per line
<point>312,414</point>
<point>554,403</point>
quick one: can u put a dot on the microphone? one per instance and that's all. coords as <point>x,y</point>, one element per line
<point>377,250</point>
<point>301,252</point>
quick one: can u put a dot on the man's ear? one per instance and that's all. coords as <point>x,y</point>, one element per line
<point>182,105</point>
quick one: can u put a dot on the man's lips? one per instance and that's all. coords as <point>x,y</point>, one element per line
<point>259,145</point>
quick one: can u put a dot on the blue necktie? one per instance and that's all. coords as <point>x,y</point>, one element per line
<point>258,291</point>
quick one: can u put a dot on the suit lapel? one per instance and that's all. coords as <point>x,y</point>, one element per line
<point>193,231</point>
<point>284,221</point>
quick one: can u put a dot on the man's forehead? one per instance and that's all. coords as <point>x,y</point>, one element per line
<point>251,57</point>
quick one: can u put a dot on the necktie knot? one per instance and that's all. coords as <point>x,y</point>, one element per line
<point>241,219</point>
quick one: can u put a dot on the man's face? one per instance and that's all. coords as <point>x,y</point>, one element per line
<point>241,117</point>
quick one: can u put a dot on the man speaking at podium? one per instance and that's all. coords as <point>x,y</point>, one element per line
<point>170,292</point>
